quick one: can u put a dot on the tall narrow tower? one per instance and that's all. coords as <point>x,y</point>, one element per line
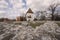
<point>29,15</point>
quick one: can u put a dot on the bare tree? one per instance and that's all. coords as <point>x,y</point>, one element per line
<point>52,8</point>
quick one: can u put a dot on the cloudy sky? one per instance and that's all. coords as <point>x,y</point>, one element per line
<point>13,8</point>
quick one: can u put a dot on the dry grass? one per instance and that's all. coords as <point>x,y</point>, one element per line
<point>35,24</point>
<point>58,24</point>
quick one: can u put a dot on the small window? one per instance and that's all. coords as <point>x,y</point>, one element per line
<point>29,16</point>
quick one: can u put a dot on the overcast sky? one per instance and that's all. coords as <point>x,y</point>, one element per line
<point>13,8</point>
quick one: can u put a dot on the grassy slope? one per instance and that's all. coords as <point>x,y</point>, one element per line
<point>35,24</point>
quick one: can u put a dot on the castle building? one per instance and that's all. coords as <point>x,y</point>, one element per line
<point>30,15</point>
<point>20,18</point>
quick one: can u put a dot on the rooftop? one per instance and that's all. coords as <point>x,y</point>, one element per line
<point>29,11</point>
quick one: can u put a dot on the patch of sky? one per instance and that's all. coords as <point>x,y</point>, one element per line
<point>24,6</point>
<point>9,4</point>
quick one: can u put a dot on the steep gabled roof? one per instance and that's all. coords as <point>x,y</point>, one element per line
<point>29,11</point>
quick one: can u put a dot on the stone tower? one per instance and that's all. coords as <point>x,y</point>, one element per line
<point>29,15</point>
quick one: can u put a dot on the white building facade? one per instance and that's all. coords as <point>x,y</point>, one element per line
<point>30,15</point>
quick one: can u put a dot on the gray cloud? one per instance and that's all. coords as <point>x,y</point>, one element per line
<point>17,9</point>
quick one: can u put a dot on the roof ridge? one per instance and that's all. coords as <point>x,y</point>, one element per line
<point>29,11</point>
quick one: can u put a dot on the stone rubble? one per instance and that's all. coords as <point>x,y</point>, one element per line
<point>48,28</point>
<point>47,31</point>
